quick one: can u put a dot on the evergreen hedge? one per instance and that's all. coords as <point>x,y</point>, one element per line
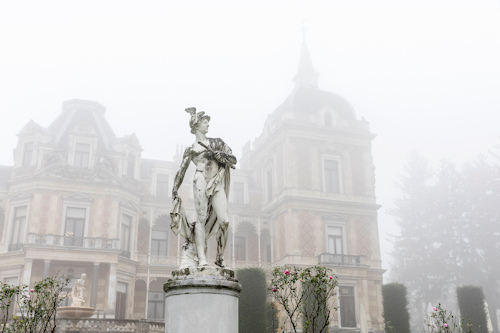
<point>395,304</point>
<point>252,301</point>
<point>471,305</point>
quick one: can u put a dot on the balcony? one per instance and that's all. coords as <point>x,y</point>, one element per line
<point>73,241</point>
<point>341,259</point>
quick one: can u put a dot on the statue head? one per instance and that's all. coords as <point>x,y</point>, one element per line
<point>196,118</point>
<point>83,276</point>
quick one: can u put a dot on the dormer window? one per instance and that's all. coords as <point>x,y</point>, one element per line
<point>27,153</point>
<point>82,155</point>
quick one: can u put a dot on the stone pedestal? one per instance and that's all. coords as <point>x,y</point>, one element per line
<point>202,300</point>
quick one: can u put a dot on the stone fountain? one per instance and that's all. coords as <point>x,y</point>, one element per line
<point>76,310</point>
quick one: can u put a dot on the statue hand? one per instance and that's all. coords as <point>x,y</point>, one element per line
<point>174,194</point>
<point>220,156</point>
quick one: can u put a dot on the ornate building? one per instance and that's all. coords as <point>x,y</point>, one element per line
<point>79,199</point>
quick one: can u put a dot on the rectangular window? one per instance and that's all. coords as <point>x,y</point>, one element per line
<point>156,305</point>
<point>27,153</point>
<point>159,242</point>
<point>335,240</point>
<point>121,300</point>
<point>162,186</point>
<point>82,154</point>
<point>18,228</point>
<point>270,187</point>
<point>131,166</point>
<point>347,307</point>
<point>74,226</point>
<point>238,193</point>
<point>240,244</point>
<point>126,228</point>
<point>331,172</point>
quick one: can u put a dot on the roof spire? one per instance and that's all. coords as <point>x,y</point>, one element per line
<point>306,76</point>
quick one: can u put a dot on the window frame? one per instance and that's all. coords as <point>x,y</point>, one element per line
<point>75,204</point>
<point>355,305</point>
<point>130,243</point>
<point>27,159</point>
<point>79,154</point>
<point>336,224</point>
<point>339,173</point>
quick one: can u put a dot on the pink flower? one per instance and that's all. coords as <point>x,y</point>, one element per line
<point>445,325</point>
<point>434,308</point>
<point>330,277</point>
<point>32,290</point>
<point>287,272</point>
<point>300,280</point>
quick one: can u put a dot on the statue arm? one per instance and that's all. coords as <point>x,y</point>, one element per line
<point>179,177</point>
<point>225,154</point>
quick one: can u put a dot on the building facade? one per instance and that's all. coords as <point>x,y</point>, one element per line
<point>79,199</point>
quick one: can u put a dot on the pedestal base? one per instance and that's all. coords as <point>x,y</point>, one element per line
<point>202,300</point>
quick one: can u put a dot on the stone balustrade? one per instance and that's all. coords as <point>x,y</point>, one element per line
<point>108,326</point>
<point>341,259</point>
<point>73,241</point>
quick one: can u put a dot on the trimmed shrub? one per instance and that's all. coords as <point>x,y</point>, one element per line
<point>252,301</point>
<point>471,305</point>
<point>395,303</point>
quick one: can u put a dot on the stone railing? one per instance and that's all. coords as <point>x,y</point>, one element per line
<point>158,260</point>
<point>73,241</point>
<point>108,326</point>
<point>341,259</point>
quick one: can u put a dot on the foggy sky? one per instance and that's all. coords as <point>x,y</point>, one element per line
<point>425,74</point>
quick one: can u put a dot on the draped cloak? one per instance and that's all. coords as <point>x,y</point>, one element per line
<point>221,179</point>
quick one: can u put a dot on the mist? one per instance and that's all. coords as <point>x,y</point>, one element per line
<point>424,74</point>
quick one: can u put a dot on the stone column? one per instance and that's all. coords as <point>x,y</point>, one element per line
<point>110,309</point>
<point>28,265</point>
<point>46,268</point>
<point>95,283</point>
<point>202,300</point>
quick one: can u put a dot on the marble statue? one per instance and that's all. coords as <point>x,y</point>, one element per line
<point>77,291</point>
<point>213,160</point>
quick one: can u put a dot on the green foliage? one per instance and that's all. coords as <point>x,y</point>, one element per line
<point>396,316</point>
<point>449,222</point>
<point>31,310</point>
<point>471,304</point>
<point>306,295</point>
<point>252,300</point>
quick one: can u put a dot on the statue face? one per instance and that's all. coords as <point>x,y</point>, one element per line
<point>203,126</point>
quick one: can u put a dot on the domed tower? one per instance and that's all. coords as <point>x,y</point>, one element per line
<point>313,166</point>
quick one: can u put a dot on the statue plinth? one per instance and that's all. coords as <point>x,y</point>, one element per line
<point>202,299</point>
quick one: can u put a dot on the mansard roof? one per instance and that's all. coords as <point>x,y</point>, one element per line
<point>83,116</point>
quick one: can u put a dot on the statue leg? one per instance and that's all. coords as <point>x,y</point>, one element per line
<point>201,204</point>
<point>219,203</point>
